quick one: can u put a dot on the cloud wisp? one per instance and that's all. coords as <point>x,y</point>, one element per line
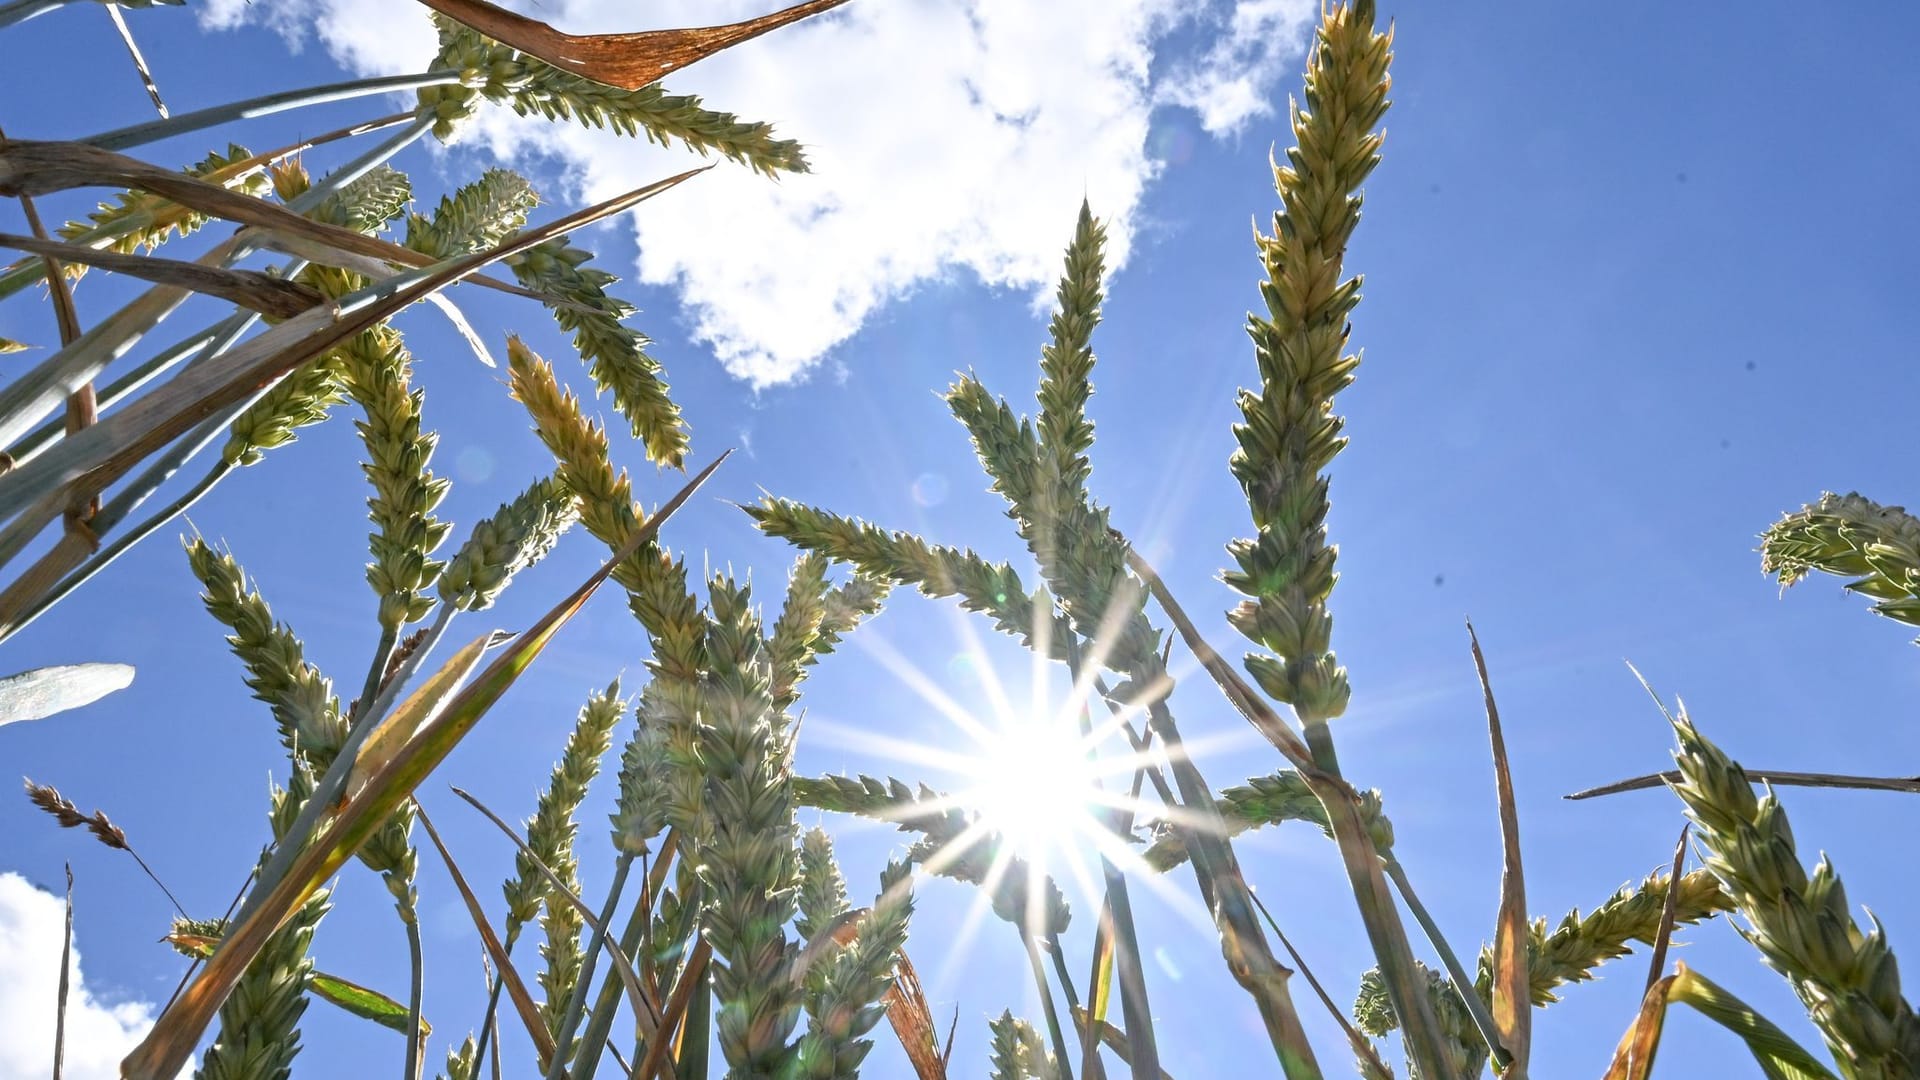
<point>947,137</point>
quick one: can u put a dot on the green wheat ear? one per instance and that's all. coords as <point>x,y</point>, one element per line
<point>1851,536</point>
<point>1017,1052</point>
<point>1289,433</point>
<point>530,86</point>
<point>1845,977</point>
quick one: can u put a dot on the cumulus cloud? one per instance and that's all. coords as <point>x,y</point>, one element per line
<point>99,1034</point>
<point>946,136</point>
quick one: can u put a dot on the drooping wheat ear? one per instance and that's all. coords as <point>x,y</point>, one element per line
<point>645,767</point>
<point>951,844</point>
<point>550,836</point>
<point>1854,537</point>
<point>845,607</point>
<point>1577,946</point>
<point>1846,978</point>
<point>615,353</point>
<point>364,205</point>
<point>1290,434</point>
<point>259,1023</point>
<point>135,221</point>
<point>1017,1050</point>
<point>844,997</point>
<point>1270,800</point>
<point>518,535</point>
<point>993,589</point>
<point>302,701</point>
<point>300,399</point>
<point>656,583</point>
<point>49,799</point>
<point>1580,944</point>
<point>823,892</point>
<point>529,85</point>
<point>662,117</point>
<point>1466,1049</point>
<point>749,867</point>
<point>474,218</point>
<point>462,1063</point>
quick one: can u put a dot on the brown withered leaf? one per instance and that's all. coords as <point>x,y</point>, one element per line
<point>625,61</point>
<point>251,289</point>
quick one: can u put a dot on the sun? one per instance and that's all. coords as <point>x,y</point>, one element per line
<point>1033,782</point>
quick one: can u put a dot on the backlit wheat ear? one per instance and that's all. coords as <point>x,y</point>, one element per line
<point>902,558</point>
<point>1290,434</point>
<point>1269,800</point>
<point>844,998</point>
<point>614,352</point>
<point>1017,1051</point>
<point>1853,537</point>
<point>656,583</point>
<point>301,698</point>
<point>1572,951</point>
<point>474,218</point>
<point>550,835</point>
<point>1465,1048</point>
<point>749,865</point>
<point>304,397</point>
<point>1846,977</point>
<point>518,535</point>
<point>645,773</point>
<point>823,892</point>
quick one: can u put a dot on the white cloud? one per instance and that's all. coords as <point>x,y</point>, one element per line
<point>32,928</point>
<point>1233,81</point>
<point>946,136</point>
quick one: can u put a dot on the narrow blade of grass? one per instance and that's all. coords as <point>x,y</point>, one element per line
<point>626,61</point>
<point>1512,990</point>
<point>139,62</point>
<point>1669,910</point>
<point>1099,987</point>
<point>509,976</point>
<point>644,1010</point>
<point>364,1002</point>
<point>1363,1048</point>
<point>66,970</point>
<point>42,692</point>
<point>1908,784</point>
<point>1779,1057</point>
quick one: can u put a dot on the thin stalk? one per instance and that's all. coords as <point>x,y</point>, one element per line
<point>577,1000</point>
<point>1249,958</point>
<point>1907,784</point>
<point>607,1001</point>
<point>1145,1054</point>
<point>1462,982</point>
<point>489,1020</point>
<point>265,105</point>
<point>415,990</point>
<point>370,687</point>
<point>1046,1006</point>
<point>1385,933</point>
<point>1361,1046</point>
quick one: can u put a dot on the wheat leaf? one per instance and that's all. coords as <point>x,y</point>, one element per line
<point>42,692</point>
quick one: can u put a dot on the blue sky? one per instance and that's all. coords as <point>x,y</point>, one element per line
<point>1636,282</point>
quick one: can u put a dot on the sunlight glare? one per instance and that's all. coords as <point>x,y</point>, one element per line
<point>1032,783</point>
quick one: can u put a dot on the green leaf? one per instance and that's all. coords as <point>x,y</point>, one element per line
<point>363,1002</point>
